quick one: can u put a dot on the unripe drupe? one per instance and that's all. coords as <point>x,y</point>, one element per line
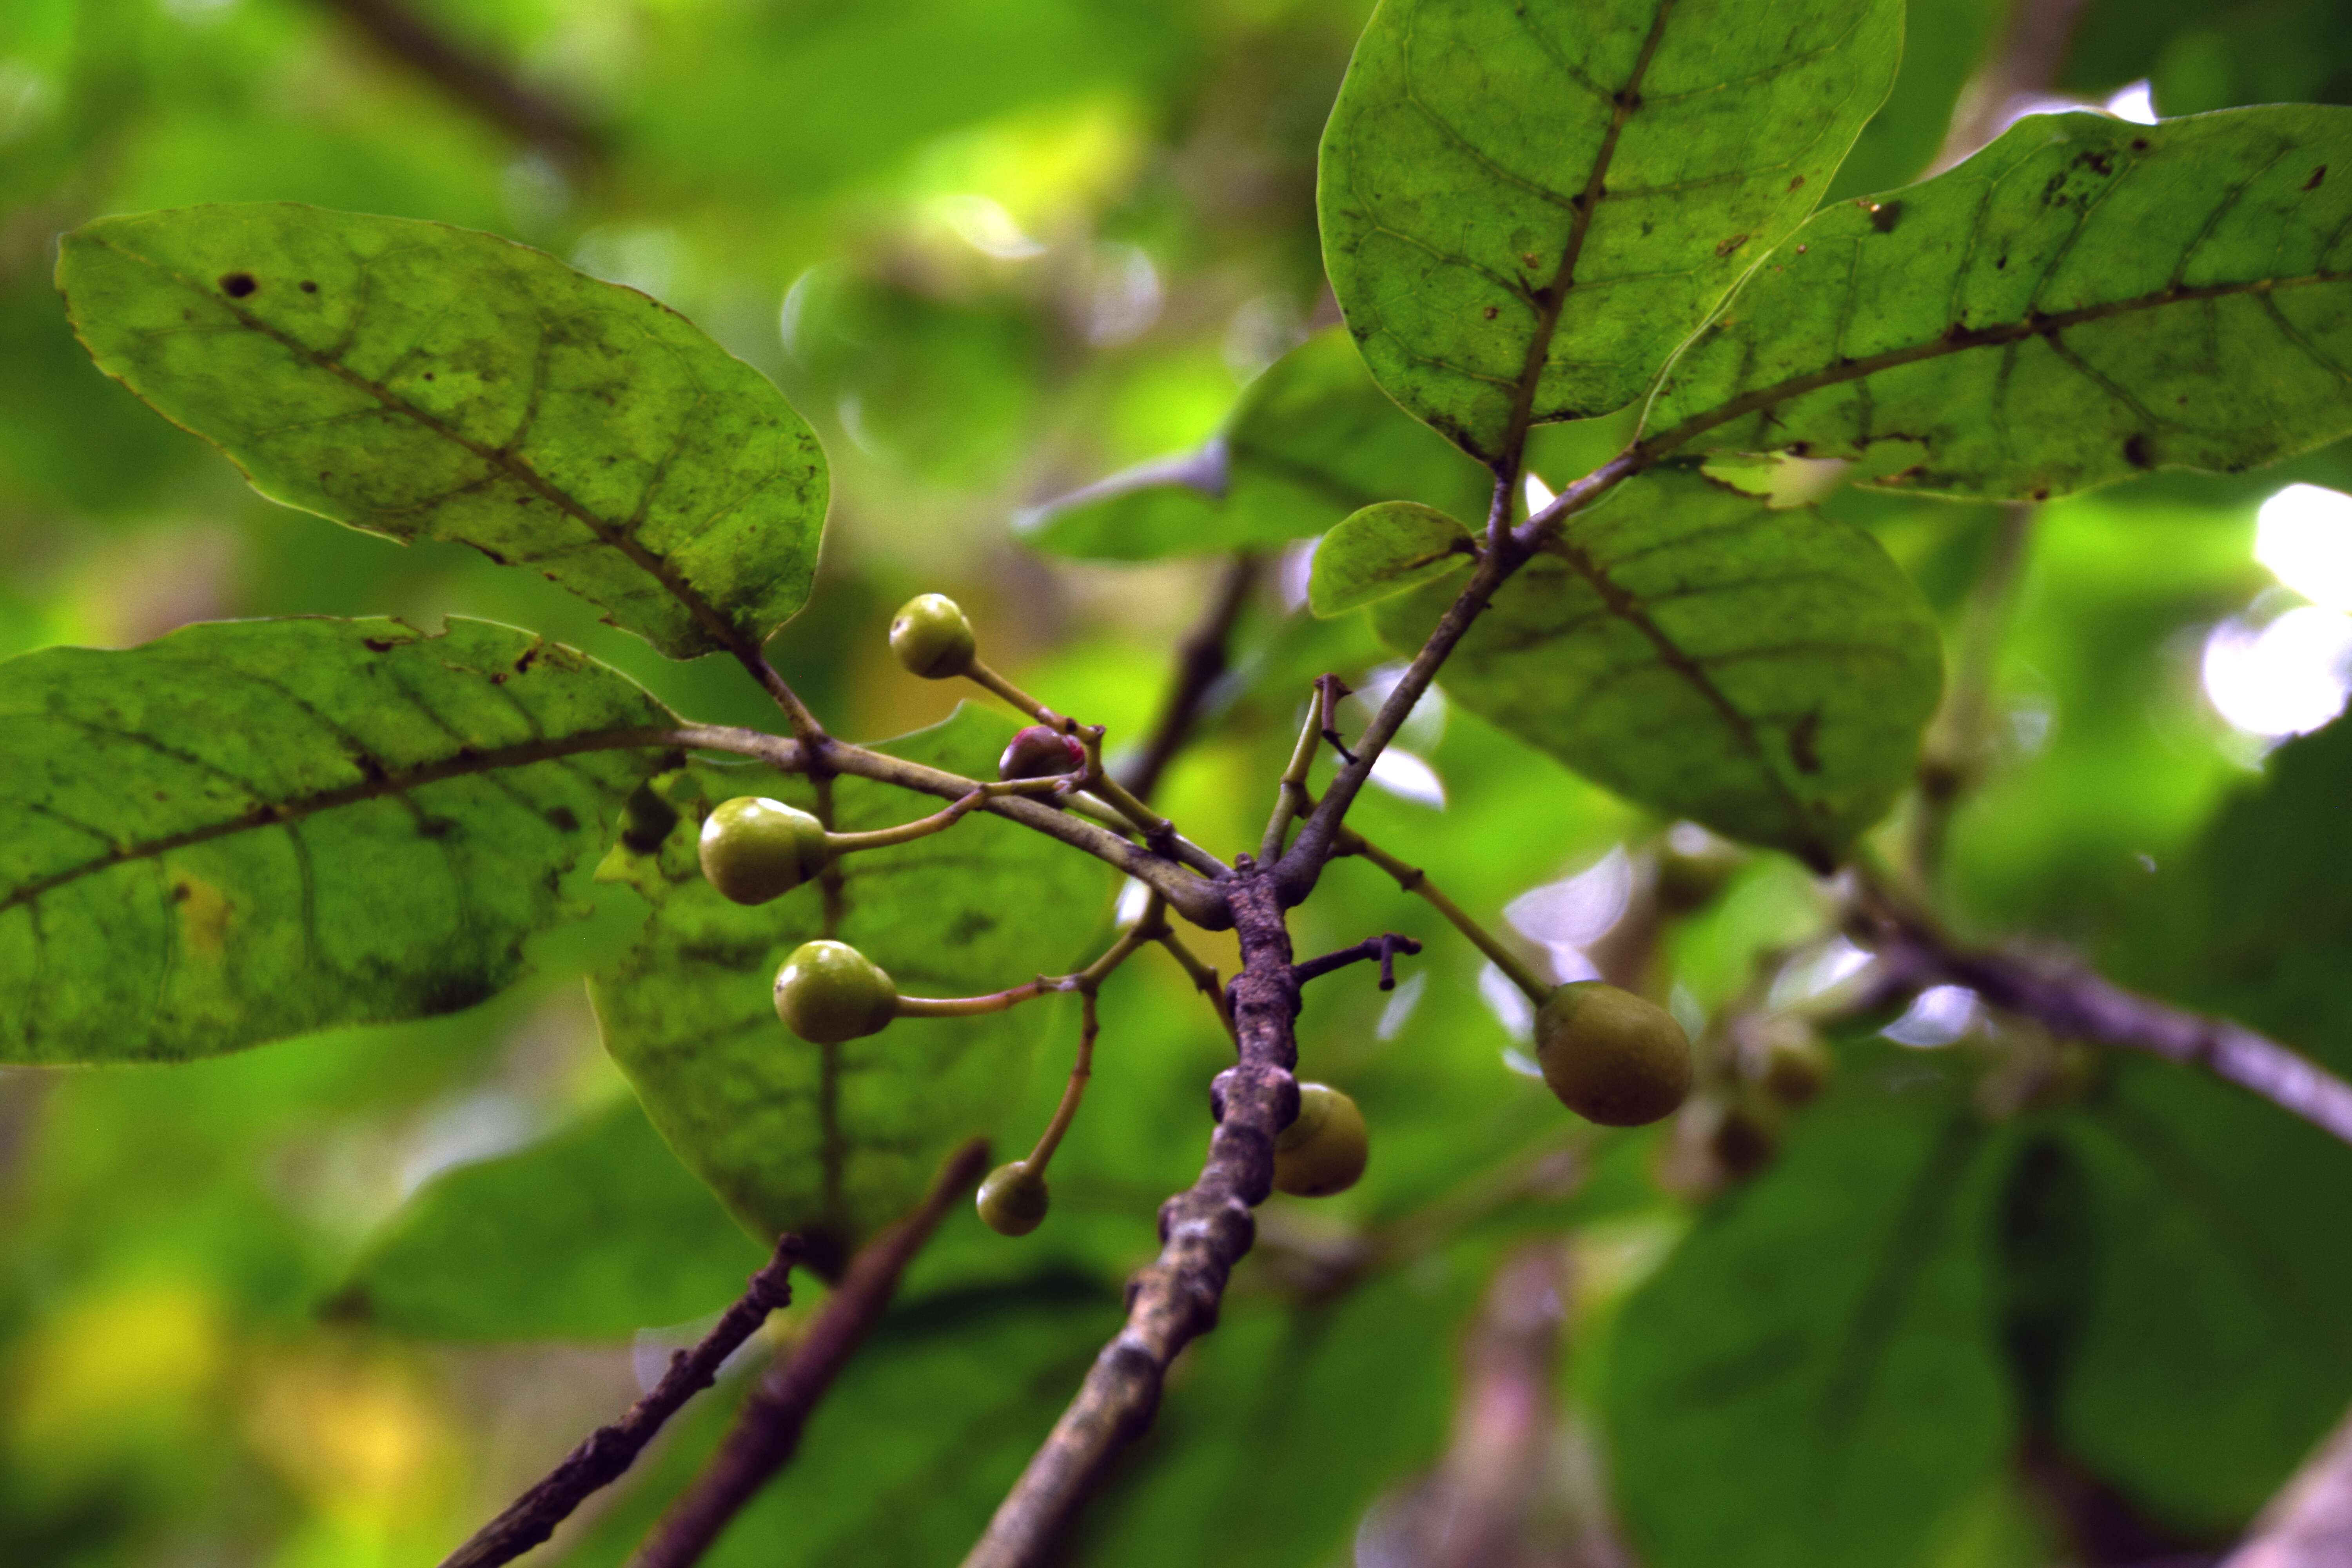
<point>1612,1056</point>
<point>930,638</point>
<point>1323,1151</point>
<point>1040,752</point>
<point>1013,1199</point>
<point>754,849</point>
<point>828,991</point>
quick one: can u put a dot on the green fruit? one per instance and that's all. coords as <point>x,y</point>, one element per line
<point>1612,1056</point>
<point>930,638</point>
<point>1323,1151</point>
<point>828,991</point>
<point>1013,1199</point>
<point>754,849</point>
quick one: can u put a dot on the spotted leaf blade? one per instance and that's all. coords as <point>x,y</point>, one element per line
<point>1766,673</point>
<point>419,381</point>
<point>2084,300</point>
<point>1527,207</point>
<point>253,829</point>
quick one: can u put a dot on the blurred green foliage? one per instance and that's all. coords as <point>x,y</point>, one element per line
<point>334,1301</point>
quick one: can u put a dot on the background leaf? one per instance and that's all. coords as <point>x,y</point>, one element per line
<point>1766,673</point>
<point>413,379</point>
<point>1311,440</point>
<point>247,830</point>
<point>2084,300</point>
<point>1855,1402</point>
<point>1382,551</point>
<point>594,1231</point>
<point>835,1140</point>
<point>1524,207</point>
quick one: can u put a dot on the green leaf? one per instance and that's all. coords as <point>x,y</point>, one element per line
<point>251,829</point>
<point>1811,1380</point>
<point>593,1232</point>
<point>2084,300</point>
<point>2215,1347</point>
<point>1766,673</point>
<point>1382,551</point>
<point>1527,207</point>
<point>1311,440</point>
<point>837,1140</point>
<point>2255,920</point>
<point>418,381</point>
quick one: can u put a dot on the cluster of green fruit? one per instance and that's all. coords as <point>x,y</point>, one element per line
<point>1609,1056</point>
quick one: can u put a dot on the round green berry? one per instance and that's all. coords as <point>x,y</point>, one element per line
<point>930,638</point>
<point>1013,1199</point>
<point>1323,1151</point>
<point>1612,1056</point>
<point>828,991</point>
<point>754,849</point>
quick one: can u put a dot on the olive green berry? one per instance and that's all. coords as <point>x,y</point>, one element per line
<point>1612,1056</point>
<point>1323,1151</point>
<point>1013,1199</point>
<point>930,638</point>
<point>828,991</point>
<point>754,849</point>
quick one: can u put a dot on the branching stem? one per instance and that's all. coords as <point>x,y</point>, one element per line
<point>610,1450</point>
<point>768,1429</point>
<point>1415,881</point>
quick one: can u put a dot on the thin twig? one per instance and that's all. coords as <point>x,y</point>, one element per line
<point>2309,1523</point>
<point>2075,1002</point>
<point>1383,949</point>
<point>1202,659</point>
<point>481,84</point>
<point>1205,1231</point>
<point>610,1450</point>
<point>768,1429</point>
<point>1290,797</point>
<point>1195,898</point>
<point>1415,881</point>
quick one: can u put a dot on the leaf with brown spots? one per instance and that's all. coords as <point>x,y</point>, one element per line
<point>253,829</point>
<point>1527,206</point>
<point>419,381</point>
<point>1766,672</point>
<point>2084,299</point>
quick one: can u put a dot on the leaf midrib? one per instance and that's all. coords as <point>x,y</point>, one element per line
<point>614,535</point>
<point>1957,339</point>
<point>278,814</point>
<point>1551,300</point>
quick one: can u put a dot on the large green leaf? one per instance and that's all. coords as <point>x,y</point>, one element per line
<point>1766,673</point>
<point>595,1231</point>
<point>1311,440</point>
<point>420,381</point>
<point>1526,206</point>
<point>2215,1345</point>
<point>1811,1380</point>
<point>835,1140</point>
<point>249,829</point>
<point>2084,300</point>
